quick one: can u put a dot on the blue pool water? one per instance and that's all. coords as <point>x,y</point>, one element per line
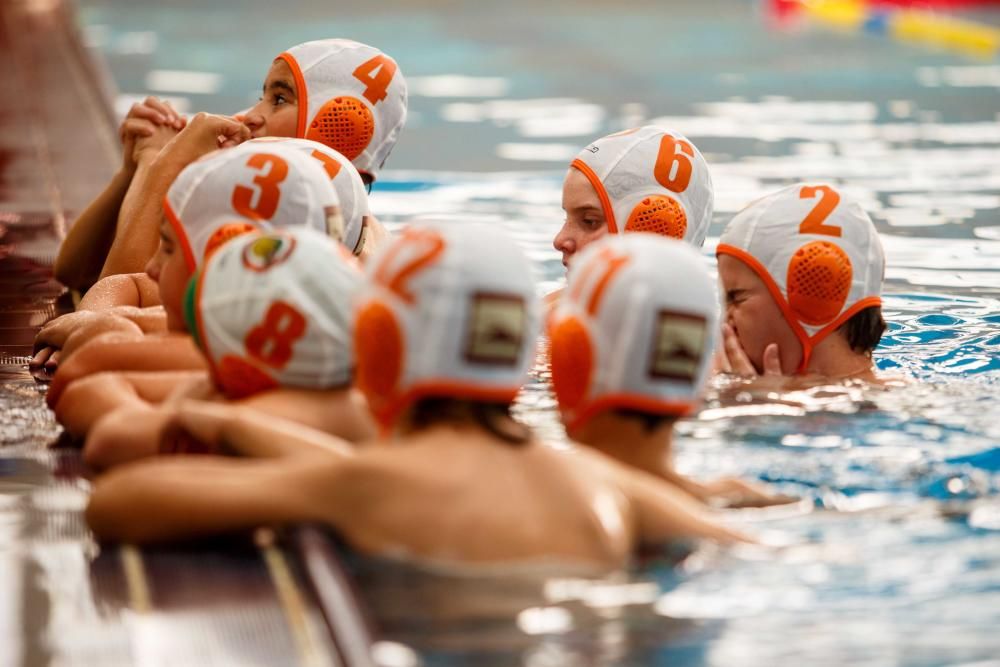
<point>893,557</point>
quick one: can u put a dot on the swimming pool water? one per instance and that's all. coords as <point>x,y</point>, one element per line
<point>893,557</point>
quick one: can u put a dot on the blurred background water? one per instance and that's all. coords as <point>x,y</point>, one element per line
<point>894,557</point>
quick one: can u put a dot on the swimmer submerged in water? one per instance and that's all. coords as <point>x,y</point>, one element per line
<point>444,334</point>
<point>801,272</point>
<point>630,345</point>
<point>346,95</point>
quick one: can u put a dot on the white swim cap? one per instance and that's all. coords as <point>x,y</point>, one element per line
<point>346,181</point>
<point>252,186</point>
<point>447,311</point>
<point>634,329</point>
<point>352,97</point>
<point>650,180</point>
<point>274,309</point>
<point>818,253</point>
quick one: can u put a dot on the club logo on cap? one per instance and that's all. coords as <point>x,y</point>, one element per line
<point>678,346</point>
<point>267,251</point>
<point>496,329</point>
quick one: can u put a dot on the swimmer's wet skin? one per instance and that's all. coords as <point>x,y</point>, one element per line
<point>444,331</point>
<point>630,344</point>
<point>124,302</point>
<point>801,272</point>
<point>202,213</point>
<point>348,96</point>
<point>272,315</point>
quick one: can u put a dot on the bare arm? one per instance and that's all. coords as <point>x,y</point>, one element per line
<point>663,512</point>
<point>169,352</point>
<point>186,497</point>
<point>666,513</point>
<point>90,398</point>
<point>82,252</point>
<point>126,289</point>
<point>138,222</point>
<point>253,434</point>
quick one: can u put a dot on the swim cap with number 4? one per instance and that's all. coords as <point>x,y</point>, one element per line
<point>256,185</point>
<point>818,253</point>
<point>275,309</point>
<point>351,97</point>
<point>650,180</point>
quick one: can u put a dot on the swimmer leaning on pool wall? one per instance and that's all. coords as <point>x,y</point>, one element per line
<point>305,88</point>
<point>202,207</point>
<point>454,313</point>
<point>272,315</point>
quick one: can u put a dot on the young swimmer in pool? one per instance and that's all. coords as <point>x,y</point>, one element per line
<point>272,315</point>
<point>630,345</point>
<point>801,271</point>
<point>344,94</point>
<point>444,331</point>
<point>101,311</point>
<point>272,184</point>
<point>643,180</point>
<point>307,93</point>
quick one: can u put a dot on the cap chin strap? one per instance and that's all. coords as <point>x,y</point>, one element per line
<point>808,342</point>
<point>602,194</point>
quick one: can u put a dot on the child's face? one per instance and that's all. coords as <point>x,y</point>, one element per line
<point>276,114</point>
<point>168,268</point>
<point>585,221</point>
<point>755,316</point>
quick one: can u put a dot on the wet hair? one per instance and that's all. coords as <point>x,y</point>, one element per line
<point>864,330</point>
<point>651,421</point>
<point>494,417</point>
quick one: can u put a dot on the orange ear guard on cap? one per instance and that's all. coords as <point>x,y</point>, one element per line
<point>658,214</point>
<point>572,362</point>
<point>819,282</point>
<point>344,124</point>
<point>225,233</point>
<point>378,353</point>
<point>819,278</point>
<point>238,378</point>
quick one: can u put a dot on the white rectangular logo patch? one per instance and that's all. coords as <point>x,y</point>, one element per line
<point>495,329</point>
<point>678,346</point>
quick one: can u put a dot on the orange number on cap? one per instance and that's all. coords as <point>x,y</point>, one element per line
<point>331,166</point>
<point>828,200</point>
<point>431,246</point>
<point>674,153</point>
<point>267,183</point>
<point>611,263</point>
<point>376,83</point>
<point>270,342</point>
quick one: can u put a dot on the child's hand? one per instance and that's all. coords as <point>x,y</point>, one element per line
<point>730,357</point>
<point>204,134</point>
<point>732,492</point>
<point>142,122</point>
